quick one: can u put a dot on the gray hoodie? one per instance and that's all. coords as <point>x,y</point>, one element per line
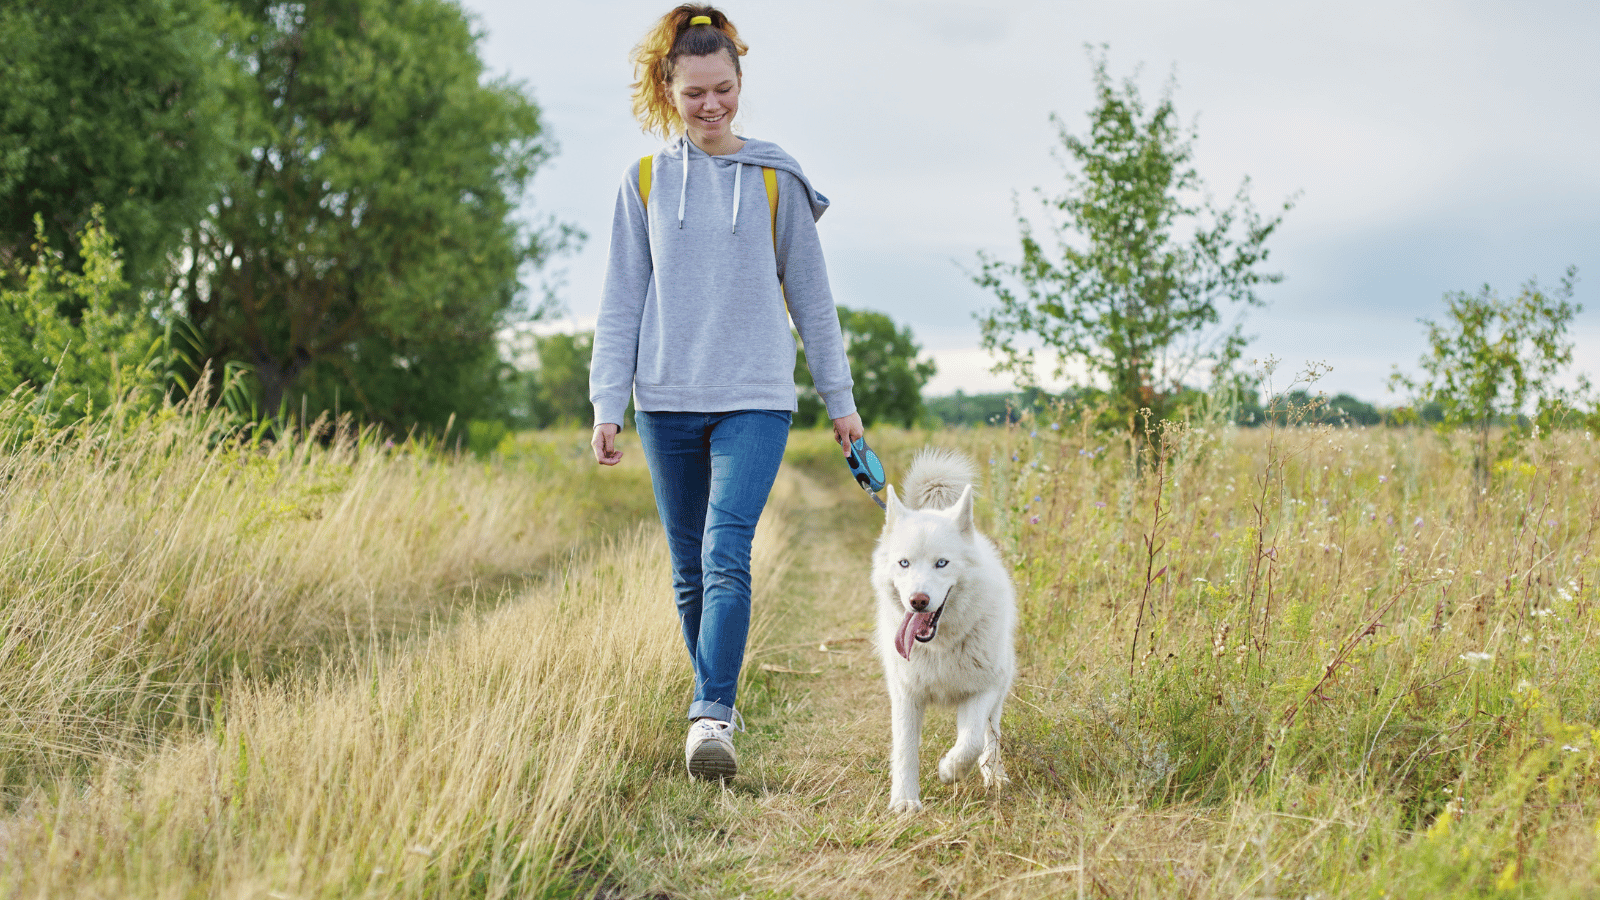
<point>692,318</point>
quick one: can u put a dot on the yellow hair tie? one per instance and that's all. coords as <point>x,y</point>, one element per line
<point>700,20</point>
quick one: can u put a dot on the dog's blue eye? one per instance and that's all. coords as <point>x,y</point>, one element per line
<point>941,563</point>
<point>905,563</point>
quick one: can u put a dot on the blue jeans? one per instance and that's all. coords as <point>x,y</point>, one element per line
<point>712,473</point>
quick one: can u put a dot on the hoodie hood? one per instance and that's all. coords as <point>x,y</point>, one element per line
<point>754,153</point>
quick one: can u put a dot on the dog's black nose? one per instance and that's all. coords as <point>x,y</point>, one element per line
<point>919,602</point>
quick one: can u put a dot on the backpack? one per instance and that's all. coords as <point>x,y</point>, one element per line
<point>768,175</point>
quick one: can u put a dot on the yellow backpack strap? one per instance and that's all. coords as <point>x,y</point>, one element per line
<point>644,183</point>
<point>770,176</point>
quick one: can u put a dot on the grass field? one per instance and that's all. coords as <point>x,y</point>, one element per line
<point>1291,663</point>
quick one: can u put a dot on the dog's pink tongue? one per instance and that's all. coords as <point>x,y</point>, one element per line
<point>915,623</point>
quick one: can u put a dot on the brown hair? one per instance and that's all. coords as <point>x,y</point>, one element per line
<point>655,59</point>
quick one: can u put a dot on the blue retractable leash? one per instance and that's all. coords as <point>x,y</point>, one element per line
<point>868,469</point>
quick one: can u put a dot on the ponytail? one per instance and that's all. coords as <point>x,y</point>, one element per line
<point>655,61</point>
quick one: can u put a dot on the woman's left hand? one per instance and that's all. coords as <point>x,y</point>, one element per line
<point>846,430</point>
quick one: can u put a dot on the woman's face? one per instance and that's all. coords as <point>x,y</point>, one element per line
<point>705,90</point>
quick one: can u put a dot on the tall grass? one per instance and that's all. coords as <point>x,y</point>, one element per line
<point>144,563</point>
<point>1333,633</point>
<point>1275,662</point>
<point>474,765</point>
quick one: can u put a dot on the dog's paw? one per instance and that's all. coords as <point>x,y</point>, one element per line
<point>994,771</point>
<point>994,776</point>
<point>952,769</point>
<point>901,805</point>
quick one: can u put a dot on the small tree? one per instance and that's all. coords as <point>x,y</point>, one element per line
<point>78,363</point>
<point>1495,360</point>
<point>888,375</point>
<point>1140,262</point>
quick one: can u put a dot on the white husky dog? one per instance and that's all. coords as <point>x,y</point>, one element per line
<point>946,613</point>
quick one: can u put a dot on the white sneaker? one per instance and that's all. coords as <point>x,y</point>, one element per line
<point>709,750</point>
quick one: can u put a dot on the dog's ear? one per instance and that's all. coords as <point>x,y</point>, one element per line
<point>962,512</point>
<point>892,507</point>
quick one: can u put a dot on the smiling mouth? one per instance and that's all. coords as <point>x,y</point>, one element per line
<point>918,626</point>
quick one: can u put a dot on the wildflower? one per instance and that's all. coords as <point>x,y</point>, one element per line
<point>1033,521</point>
<point>1055,426</point>
<point>1476,658</point>
<point>1034,433</point>
<point>1541,613</point>
<point>1417,523</point>
<point>1389,518</point>
<point>1099,504</point>
<point>1383,479</point>
<point>1037,498</point>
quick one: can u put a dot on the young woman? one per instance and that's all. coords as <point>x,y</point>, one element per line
<point>693,325</point>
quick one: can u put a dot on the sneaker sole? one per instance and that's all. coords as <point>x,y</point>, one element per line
<point>712,761</point>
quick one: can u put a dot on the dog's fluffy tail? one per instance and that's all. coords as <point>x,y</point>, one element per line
<point>936,478</point>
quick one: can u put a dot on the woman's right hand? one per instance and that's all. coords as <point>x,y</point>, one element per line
<point>604,443</point>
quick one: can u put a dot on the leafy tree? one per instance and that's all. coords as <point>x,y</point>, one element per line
<point>560,387</point>
<point>84,362</point>
<point>115,103</point>
<point>1497,359</point>
<point>1140,261</point>
<point>364,250</point>
<point>888,375</point>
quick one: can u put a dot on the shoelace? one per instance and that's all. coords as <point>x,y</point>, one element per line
<point>719,726</point>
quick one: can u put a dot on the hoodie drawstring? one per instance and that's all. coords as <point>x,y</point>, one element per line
<point>683,195</point>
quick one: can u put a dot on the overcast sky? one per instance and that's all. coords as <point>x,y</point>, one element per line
<point>1435,146</point>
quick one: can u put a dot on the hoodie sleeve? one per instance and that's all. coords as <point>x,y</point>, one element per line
<point>805,283</point>
<point>616,332</point>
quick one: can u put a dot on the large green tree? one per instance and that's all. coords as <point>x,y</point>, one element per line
<point>1126,286</point>
<point>112,103</point>
<point>884,365</point>
<point>365,248</point>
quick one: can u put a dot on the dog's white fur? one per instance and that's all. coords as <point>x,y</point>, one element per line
<point>971,661</point>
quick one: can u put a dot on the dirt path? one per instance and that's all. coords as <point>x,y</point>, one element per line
<point>807,816</point>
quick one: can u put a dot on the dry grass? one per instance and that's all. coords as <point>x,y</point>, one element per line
<point>1293,663</point>
<point>142,564</point>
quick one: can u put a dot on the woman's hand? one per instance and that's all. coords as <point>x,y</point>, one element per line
<point>846,430</point>
<point>604,443</point>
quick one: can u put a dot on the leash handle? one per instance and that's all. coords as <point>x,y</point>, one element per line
<point>867,469</point>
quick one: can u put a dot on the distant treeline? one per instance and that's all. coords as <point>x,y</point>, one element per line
<point>1300,407</point>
